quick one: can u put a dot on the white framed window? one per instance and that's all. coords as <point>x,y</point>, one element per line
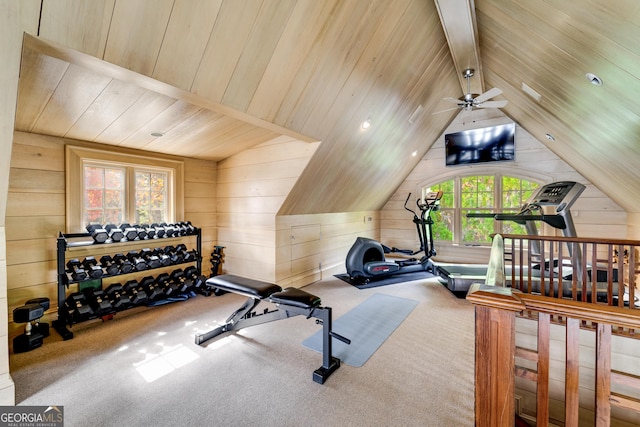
<point>486,193</point>
<point>109,187</point>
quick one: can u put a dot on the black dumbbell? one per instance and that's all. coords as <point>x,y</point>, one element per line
<point>75,268</point>
<point>117,296</point>
<point>150,258</point>
<point>153,291</point>
<point>164,258</point>
<point>77,307</point>
<point>115,233</point>
<point>34,331</point>
<point>159,229</point>
<point>173,255</point>
<point>98,233</point>
<point>137,261</point>
<point>136,294</point>
<point>142,234</point>
<point>130,233</point>
<point>180,282</point>
<point>187,256</point>
<point>109,265</point>
<point>169,230</point>
<point>123,263</point>
<point>37,326</point>
<point>92,268</point>
<point>189,228</point>
<point>98,301</point>
<point>163,282</point>
<point>150,230</point>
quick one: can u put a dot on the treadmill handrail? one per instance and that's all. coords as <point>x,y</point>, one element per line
<point>556,221</point>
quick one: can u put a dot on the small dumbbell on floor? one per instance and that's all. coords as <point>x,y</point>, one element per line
<point>35,331</point>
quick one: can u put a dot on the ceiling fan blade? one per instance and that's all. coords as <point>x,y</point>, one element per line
<point>487,95</point>
<point>493,104</point>
<point>454,100</point>
<point>444,111</point>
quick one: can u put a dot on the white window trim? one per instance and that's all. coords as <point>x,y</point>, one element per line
<point>75,156</point>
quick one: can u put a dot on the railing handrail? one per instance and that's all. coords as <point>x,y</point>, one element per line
<point>599,240</point>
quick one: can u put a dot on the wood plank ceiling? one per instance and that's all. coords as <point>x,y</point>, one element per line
<point>218,76</point>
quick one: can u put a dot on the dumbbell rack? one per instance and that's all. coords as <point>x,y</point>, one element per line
<point>74,240</point>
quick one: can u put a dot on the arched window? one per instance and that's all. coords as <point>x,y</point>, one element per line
<point>478,194</point>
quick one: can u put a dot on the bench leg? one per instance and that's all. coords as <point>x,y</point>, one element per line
<point>329,363</point>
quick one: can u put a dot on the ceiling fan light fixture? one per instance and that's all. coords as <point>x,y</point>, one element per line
<point>593,79</point>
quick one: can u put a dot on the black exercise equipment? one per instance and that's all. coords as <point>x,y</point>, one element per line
<point>136,294</point>
<point>74,267</point>
<point>98,301</point>
<point>123,263</point>
<point>164,259</point>
<point>130,232</point>
<point>174,255</point>
<point>77,307</point>
<point>34,331</point>
<point>109,265</point>
<point>558,196</point>
<point>115,233</point>
<point>98,233</point>
<point>366,258</point>
<point>92,268</point>
<point>166,285</point>
<point>118,297</point>
<point>149,285</point>
<point>150,258</point>
<point>159,230</point>
<point>139,264</point>
<point>289,302</point>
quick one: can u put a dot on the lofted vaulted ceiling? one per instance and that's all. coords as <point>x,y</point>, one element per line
<point>218,76</point>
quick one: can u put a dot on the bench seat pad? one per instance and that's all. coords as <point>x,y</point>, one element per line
<point>295,297</point>
<point>244,286</point>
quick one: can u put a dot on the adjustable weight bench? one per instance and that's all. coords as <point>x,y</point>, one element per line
<point>289,302</point>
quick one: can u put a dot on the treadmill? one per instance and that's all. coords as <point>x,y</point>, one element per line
<point>560,195</point>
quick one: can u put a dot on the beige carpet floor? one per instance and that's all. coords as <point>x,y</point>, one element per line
<point>143,367</point>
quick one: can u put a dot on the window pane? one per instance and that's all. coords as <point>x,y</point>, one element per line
<point>442,226</point>
<point>476,230</point>
<point>103,194</point>
<point>151,197</point>
<point>93,177</point>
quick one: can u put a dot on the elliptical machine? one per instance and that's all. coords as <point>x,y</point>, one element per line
<point>366,258</point>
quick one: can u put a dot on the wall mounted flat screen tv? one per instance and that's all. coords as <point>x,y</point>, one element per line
<point>490,144</point>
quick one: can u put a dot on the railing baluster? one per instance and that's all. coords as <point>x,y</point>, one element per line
<point>542,390</point>
<point>603,375</point>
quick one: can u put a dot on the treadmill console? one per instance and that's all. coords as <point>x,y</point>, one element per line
<point>560,194</point>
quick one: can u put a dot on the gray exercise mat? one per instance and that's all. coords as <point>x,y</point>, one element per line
<point>367,325</point>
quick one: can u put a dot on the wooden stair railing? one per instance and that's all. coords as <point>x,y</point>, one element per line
<point>495,370</point>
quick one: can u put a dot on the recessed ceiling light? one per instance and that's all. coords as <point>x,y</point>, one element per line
<point>157,134</point>
<point>415,153</point>
<point>550,137</point>
<point>366,124</point>
<point>593,79</point>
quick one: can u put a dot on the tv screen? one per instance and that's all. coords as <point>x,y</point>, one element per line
<point>490,144</point>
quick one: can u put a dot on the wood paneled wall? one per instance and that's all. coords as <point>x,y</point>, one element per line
<point>36,214</point>
<point>310,247</point>
<point>595,214</point>
<point>289,250</point>
<point>251,187</point>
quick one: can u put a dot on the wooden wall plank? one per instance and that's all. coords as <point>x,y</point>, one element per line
<point>136,33</point>
<point>185,41</point>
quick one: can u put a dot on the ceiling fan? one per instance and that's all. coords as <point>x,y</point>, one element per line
<point>472,100</point>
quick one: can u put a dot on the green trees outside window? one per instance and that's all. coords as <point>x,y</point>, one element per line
<point>478,194</point>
